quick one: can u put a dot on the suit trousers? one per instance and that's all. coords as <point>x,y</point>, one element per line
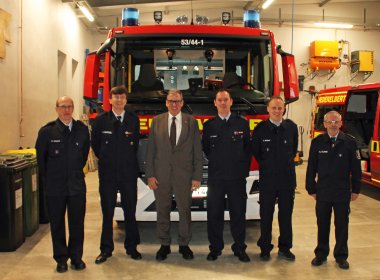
<point>237,206</point>
<point>108,194</point>
<point>323,211</point>
<point>285,198</point>
<point>164,197</point>
<point>76,209</point>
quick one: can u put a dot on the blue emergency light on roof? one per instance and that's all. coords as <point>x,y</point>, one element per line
<point>251,19</point>
<point>130,17</point>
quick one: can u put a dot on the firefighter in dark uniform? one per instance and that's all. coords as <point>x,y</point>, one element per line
<point>336,160</point>
<point>115,140</point>
<point>62,149</point>
<point>226,143</point>
<point>275,143</point>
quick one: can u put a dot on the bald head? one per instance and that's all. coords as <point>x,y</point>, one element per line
<point>62,99</point>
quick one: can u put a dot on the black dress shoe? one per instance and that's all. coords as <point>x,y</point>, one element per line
<point>343,264</point>
<point>186,252</point>
<point>163,252</point>
<point>287,255</point>
<point>264,256</point>
<point>102,257</point>
<point>242,255</point>
<point>61,267</point>
<point>134,254</point>
<point>318,261</point>
<point>213,255</point>
<point>78,265</point>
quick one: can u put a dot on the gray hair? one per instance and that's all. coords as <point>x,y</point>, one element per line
<point>332,113</point>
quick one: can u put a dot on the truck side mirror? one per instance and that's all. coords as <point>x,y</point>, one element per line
<point>291,90</point>
<point>91,76</point>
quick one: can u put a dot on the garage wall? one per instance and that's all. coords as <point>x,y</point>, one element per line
<point>9,86</point>
<point>45,60</point>
<point>300,111</point>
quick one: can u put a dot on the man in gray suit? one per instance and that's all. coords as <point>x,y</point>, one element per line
<point>174,166</point>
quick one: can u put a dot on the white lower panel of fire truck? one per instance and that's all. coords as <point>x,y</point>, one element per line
<point>145,210</point>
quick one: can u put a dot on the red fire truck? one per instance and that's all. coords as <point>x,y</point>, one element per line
<point>197,59</point>
<point>360,109</point>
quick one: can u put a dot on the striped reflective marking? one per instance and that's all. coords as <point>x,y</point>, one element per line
<point>377,181</point>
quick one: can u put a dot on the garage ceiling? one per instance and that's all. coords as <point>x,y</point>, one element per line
<point>363,14</point>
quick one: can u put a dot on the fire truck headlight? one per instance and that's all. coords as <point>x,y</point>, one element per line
<point>182,19</point>
<point>226,17</point>
<point>201,19</point>
<point>157,15</point>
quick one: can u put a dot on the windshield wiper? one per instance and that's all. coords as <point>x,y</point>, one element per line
<point>249,104</point>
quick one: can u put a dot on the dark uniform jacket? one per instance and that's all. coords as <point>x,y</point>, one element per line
<point>115,144</point>
<point>333,166</point>
<point>274,149</point>
<point>61,156</point>
<point>227,147</point>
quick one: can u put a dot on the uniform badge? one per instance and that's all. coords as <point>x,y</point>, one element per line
<point>127,133</point>
<point>358,154</point>
<point>56,152</point>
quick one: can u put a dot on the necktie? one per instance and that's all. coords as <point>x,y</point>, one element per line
<point>173,133</point>
<point>119,118</point>
<point>333,140</point>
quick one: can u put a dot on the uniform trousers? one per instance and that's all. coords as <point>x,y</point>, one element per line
<point>108,194</point>
<point>164,198</point>
<point>285,199</point>
<point>237,206</point>
<point>76,209</point>
<point>341,218</point>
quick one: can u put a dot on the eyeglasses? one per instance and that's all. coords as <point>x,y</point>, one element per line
<point>332,122</point>
<point>65,107</point>
<point>172,102</point>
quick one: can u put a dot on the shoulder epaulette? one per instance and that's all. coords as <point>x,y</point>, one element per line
<point>49,124</point>
<point>209,121</point>
<point>289,121</point>
<point>349,136</point>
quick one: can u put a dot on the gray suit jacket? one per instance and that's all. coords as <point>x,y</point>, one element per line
<point>180,164</point>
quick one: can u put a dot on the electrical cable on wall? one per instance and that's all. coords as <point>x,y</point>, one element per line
<point>291,48</point>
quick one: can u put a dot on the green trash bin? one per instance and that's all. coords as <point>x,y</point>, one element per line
<point>11,203</point>
<point>30,191</point>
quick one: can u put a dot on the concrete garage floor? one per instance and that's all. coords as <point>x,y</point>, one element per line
<point>33,260</point>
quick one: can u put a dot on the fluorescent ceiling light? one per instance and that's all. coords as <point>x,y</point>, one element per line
<point>333,25</point>
<point>267,3</point>
<point>82,6</point>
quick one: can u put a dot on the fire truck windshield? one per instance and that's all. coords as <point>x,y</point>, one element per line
<point>149,67</point>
